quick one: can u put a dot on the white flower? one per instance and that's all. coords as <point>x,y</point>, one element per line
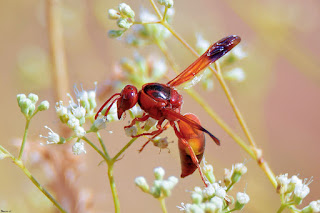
<point>79,111</point>
<point>283,182</point>
<point>220,191</point>
<point>217,201</point>
<point>301,190</point>
<point>52,136</point>
<point>79,131</point>
<point>209,190</point>
<point>78,148</point>
<point>242,198</point>
<point>60,109</point>
<point>315,206</point>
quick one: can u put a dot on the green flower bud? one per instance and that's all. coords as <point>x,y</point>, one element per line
<point>32,108</point>
<point>126,10</point>
<point>20,97</point>
<point>166,3</point>
<point>44,105</point>
<point>142,184</point>
<point>123,23</point>
<point>159,173</point>
<point>208,172</point>
<point>196,198</point>
<point>33,97</point>
<point>242,199</point>
<point>115,33</point>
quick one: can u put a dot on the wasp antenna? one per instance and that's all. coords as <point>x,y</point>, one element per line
<point>105,103</point>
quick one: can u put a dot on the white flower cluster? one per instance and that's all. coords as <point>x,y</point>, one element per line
<point>28,104</point>
<point>294,190</point>
<point>161,188</point>
<point>125,18</point>
<point>74,115</point>
<point>213,197</point>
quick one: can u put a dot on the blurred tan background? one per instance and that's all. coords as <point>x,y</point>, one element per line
<point>280,98</point>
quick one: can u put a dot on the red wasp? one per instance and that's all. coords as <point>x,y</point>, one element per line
<point>163,102</point>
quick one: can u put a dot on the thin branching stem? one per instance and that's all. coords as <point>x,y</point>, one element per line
<point>102,145</point>
<point>163,205</point>
<point>24,138</point>
<point>156,9</point>
<point>113,187</point>
<point>95,148</point>
<point>115,158</point>
<point>37,184</point>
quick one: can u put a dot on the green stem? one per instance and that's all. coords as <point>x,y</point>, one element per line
<point>282,207</point>
<point>95,148</point>
<point>102,145</point>
<point>165,14</point>
<point>24,138</point>
<point>113,187</point>
<point>19,163</point>
<point>163,205</point>
<point>220,122</point>
<point>123,149</point>
<point>156,9</point>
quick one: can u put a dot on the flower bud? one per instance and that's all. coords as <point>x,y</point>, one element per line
<point>126,10</point>
<point>142,184</point>
<point>79,131</point>
<point>115,33</point>
<point>98,124</point>
<point>242,199</point>
<point>44,105</point>
<point>196,198</point>
<point>20,97</point>
<point>314,206</point>
<point>123,23</point>
<point>33,97</point>
<point>113,14</point>
<point>208,172</point>
<point>218,202</point>
<point>238,171</point>
<point>166,3</point>
<point>159,173</point>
